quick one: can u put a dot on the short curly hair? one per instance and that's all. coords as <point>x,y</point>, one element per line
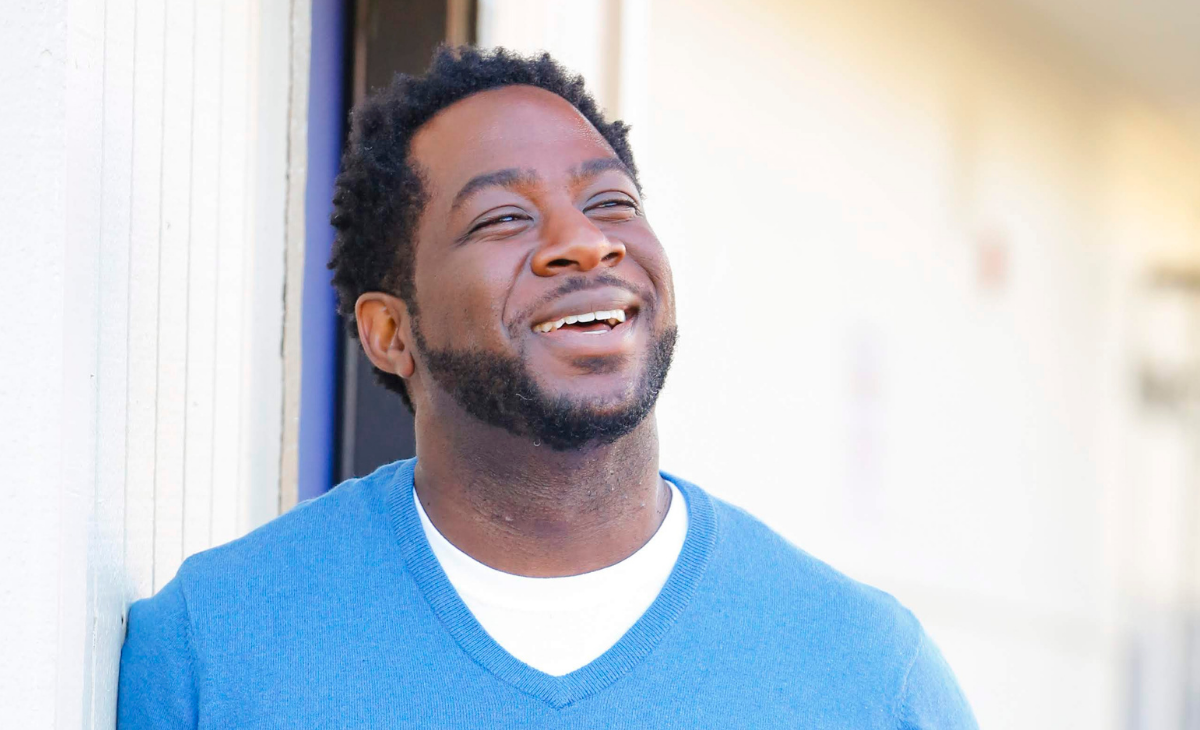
<point>379,195</point>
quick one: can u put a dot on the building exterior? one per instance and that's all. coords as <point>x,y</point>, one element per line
<point>937,268</point>
<point>152,152</point>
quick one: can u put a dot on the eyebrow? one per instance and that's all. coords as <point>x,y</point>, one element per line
<point>507,178</point>
<point>512,177</point>
<point>592,168</point>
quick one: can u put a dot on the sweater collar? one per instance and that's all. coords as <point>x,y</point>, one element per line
<point>623,657</point>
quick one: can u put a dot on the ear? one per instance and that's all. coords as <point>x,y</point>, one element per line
<point>384,328</point>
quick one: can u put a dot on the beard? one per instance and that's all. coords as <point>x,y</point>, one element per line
<point>501,391</point>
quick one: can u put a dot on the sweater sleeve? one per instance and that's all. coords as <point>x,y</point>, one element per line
<point>157,685</point>
<point>931,698</point>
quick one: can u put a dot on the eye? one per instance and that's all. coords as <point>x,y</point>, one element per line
<point>617,208</point>
<point>510,216</point>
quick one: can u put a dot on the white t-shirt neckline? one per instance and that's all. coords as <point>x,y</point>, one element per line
<point>557,625</point>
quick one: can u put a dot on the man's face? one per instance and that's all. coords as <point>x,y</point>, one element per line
<point>532,220</point>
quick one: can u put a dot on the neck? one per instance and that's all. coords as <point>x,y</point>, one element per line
<point>529,510</point>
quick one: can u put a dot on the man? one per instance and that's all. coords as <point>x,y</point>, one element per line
<point>532,567</point>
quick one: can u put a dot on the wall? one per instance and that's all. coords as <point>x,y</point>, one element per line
<point>142,269</point>
<point>909,243</point>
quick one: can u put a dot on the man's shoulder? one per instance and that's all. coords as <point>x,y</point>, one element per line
<point>347,523</point>
<point>782,614</point>
<point>756,566</point>
<point>779,556</point>
<point>326,575</point>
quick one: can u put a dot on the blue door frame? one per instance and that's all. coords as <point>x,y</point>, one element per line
<point>320,328</point>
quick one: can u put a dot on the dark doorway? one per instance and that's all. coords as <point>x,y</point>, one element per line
<point>390,36</point>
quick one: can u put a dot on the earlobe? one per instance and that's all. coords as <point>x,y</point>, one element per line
<point>383,329</point>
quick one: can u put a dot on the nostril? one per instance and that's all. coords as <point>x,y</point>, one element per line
<point>612,257</point>
<point>560,262</point>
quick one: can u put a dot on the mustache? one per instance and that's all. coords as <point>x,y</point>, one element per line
<point>582,283</point>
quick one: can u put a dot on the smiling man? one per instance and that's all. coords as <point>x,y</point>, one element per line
<point>532,567</point>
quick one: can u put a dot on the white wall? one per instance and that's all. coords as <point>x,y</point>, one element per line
<point>907,243</point>
<point>142,290</point>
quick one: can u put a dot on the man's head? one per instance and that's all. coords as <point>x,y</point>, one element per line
<point>481,209</point>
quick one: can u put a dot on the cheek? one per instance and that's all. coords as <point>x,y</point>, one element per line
<point>664,287</point>
<point>463,299</point>
<point>652,257</point>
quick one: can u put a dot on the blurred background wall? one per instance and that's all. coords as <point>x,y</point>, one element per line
<point>938,267</point>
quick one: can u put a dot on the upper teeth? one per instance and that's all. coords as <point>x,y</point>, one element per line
<point>612,316</point>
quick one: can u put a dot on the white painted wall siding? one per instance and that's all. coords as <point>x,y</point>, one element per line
<point>142,271</point>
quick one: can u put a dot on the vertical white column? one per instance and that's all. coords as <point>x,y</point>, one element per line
<point>234,208</point>
<point>297,166</point>
<point>141,424</point>
<point>79,300</point>
<point>207,109</point>
<point>262,334</point>
<point>33,46</point>
<point>174,260</point>
<point>106,548</point>
<point>143,274</point>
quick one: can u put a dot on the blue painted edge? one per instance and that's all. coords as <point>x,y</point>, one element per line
<point>320,327</point>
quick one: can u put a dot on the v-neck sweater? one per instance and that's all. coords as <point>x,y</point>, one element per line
<point>557,625</point>
<point>338,615</point>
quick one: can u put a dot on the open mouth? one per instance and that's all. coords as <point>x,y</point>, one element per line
<point>598,322</point>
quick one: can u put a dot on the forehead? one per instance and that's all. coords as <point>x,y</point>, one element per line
<point>511,127</point>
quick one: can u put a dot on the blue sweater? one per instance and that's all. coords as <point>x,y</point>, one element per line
<point>337,615</point>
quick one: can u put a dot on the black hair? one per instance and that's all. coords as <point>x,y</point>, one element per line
<point>379,196</point>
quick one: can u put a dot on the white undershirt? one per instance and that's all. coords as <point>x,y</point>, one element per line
<point>557,625</point>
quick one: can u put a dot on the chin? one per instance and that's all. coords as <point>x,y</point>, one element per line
<point>564,404</point>
<point>600,395</point>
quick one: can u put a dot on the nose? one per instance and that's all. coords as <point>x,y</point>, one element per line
<point>573,243</point>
